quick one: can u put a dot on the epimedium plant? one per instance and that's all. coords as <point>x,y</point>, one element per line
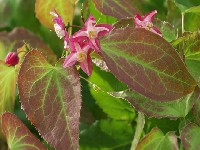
<point>135,67</point>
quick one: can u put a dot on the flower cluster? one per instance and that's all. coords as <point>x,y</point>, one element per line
<point>147,22</point>
<point>82,42</point>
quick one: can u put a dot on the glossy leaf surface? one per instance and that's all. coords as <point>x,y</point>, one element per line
<point>190,137</point>
<point>64,7</point>
<point>147,63</point>
<point>158,141</point>
<point>18,135</point>
<point>116,8</point>
<point>50,96</point>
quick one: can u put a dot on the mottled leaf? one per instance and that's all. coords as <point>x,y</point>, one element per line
<point>158,141</point>
<point>190,137</point>
<point>147,63</point>
<point>106,134</point>
<point>50,96</point>
<point>64,7</point>
<point>17,134</point>
<point>173,109</point>
<point>116,8</point>
<point>19,36</point>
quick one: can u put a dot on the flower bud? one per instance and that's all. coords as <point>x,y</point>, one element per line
<point>12,59</point>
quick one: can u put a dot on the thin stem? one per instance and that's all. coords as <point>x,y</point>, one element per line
<point>138,131</point>
<point>183,30</point>
<point>183,16</point>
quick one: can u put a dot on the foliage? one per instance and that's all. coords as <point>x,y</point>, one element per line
<point>111,76</point>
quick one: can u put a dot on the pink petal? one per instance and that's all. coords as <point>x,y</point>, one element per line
<point>86,66</point>
<point>80,33</point>
<point>156,30</point>
<point>150,16</point>
<point>138,21</point>
<point>103,29</point>
<point>70,60</point>
<point>95,44</point>
<point>90,21</point>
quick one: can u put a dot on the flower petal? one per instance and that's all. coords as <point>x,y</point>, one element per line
<point>156,30</point>
<point>80,33</point>
<point>103,29</point>
<point>70,60</point>
<point>86,65</point>
<point>90,22</point>
<point>150,16</point>
<point>95,44</point>
<point>138,21</point>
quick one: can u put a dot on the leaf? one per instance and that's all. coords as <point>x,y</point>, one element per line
<point>147,64</point>
<point>106,134</point>
<point>190,137</point>
<point>115,108</point>
<point>50,96</point>
<point>18,36</point>
<point>106,80</point>
<point>158,141</point>
<point>8,88</point>
<point>17,134</point>
<point>195,9</point>
<point>191,47</point>
<point>64,7</point>
<point>174,109</point>
<point>116,8</point>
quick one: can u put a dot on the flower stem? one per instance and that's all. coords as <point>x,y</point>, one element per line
<point>183,15</point>
<point>138,131</point>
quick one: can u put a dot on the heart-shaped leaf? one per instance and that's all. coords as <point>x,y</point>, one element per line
<point>64,7</point>
<point>116,8</point>
<point>147,63</point>
<point>190,137</point>
<point>50,96</point>
<point>18,136</point>
<point>158,141</point>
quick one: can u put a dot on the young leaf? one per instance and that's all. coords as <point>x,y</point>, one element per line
<point>173,109</point>
<point>116,8</point>
<point>106,134</point>
<point>50,96</point>
<point>147,63</point>
<point>190,137</point>
<point>17,134</point>
<point>158,141</point>
<point>64,8</point>
<point>195,9</point>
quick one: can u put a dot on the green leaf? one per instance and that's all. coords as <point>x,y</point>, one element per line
<point>147,63</point>
<point>158,141</point>
<point>64,8</point>
<point>106,80</point>
<point>91,9</point>
<point>173,109</point>
<point>184,5</point>
<point>190,137</point>
<point>50,96</point>
<point>115,108</point>
<point>191,47</point>
<point>17,134</point>
<point>195,9</point>
<point>106,134</point>
<point>116,8</point>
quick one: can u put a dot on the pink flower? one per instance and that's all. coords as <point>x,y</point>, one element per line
<point>80,52</point>
<point>92,32</point>
<point>12,59</point>
<point>147,22</point>
<point>59,25</point>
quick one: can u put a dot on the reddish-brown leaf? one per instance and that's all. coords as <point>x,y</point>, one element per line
<point>50,96</point>
<point>116,8</point>
<point>18,136</point>
<point>147,63</point>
